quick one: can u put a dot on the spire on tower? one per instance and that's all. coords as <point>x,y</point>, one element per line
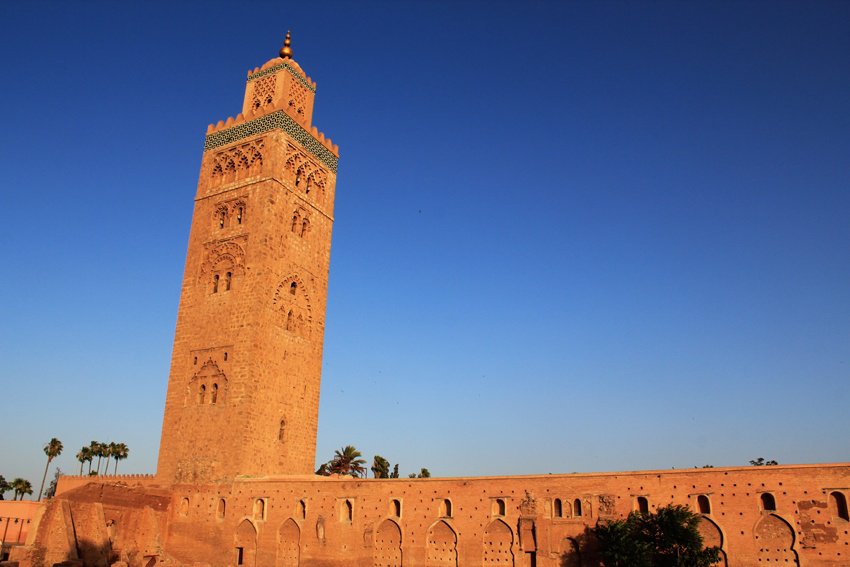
<point>286,50</point>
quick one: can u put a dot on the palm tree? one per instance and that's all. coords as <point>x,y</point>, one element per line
<point>107,454</point>
<point>4,486</point>
<point>348,461</point>
<point>84,455</point>
<point>96,451</point>
<point>52,449</point>
<point>21,486</point>
<point>119,453</point>
<point>380,467</point>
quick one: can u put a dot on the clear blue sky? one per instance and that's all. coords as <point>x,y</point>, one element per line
<point>569,236</point>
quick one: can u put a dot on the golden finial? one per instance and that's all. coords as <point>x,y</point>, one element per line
<point>286,50</point>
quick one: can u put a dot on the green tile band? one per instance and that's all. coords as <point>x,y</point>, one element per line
<point>277,120</point>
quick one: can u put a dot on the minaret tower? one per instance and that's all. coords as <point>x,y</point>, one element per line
<point>243,391</point>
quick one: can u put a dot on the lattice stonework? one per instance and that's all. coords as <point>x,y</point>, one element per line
<point>278,120</point>
<point>297,98</point>
<point>233,163</point>
<point>263,93</point>
<point>272,70</point>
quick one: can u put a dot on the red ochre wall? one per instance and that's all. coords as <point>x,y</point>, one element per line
<point>305,520</point>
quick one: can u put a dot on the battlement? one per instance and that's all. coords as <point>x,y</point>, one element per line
<point>275,65</point>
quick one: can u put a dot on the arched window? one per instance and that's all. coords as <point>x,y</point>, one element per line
<point>557,508</point>
<point>446,508</point>
<point>295,222</point>
<point>293,287</point>
<point>214,394</point>
<point>239,212</point>
<point>298,177</point>
<point>309,182</point>
<point>302,509</point>
<point>768,502</point>
<point>395,508</point>
<point>643,505</point>
<point>228,278</point>
<point>215,283</point>
<point>498,508</point>
<point>349,510</point>
<point>222,218</point>
<point>289,320</point>
<point>222,505</point>
<point>260,509</point>
<point>304,226</point>
<point>838,502</point>
<point>577,507</point>
<point>184,507</point>
<point>281,430</point>
<point>202,394</point>
<point>703,504</point>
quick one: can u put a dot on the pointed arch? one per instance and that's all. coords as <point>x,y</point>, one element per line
<point>288,544</point>
<point>441,544</point>
<point>245,542</point>
<point>775,540</point>
<point>387,548</point>
<point>498,544</point>
<point>712,536</point>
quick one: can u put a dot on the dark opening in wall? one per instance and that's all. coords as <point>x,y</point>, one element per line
<point>557,508</point>
<point>643,505</point>
<point>839,504</point>
<point>768,502</point>
<point>703,504</point>
<point>240,556</point>
<point>577,507</point>
<point>396,508</point>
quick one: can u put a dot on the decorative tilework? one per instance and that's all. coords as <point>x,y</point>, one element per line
<point>289,68</point>
<point>277,120</point>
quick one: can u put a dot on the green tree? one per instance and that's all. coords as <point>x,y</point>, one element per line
<point>4,486</point>
<point>323,470</point>
<point>380,467</point>
<point>107,454</point>
<point>667,538</point>
<point>51,488</point>
<point>394,474</point>
<point>119,452</point>
<point>53,449</point>
<point>21,487</point>
<point>424,473</point>
<point>85,455</point>
<point>96,451</point>
<point>348,461</point>
<point>760,462</point>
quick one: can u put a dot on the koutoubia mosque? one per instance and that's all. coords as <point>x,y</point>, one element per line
<point>234,484</point>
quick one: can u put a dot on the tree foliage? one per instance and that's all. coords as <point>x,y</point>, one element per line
<point>21,487</point>
<point>380,467</point>
<point>52,449</point>
<point>667,538</point>
<point>760,462</point>
<point>348,461</point>
<point>4,486</point>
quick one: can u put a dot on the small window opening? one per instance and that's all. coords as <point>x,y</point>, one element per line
<point>222,218</point>
<point>557,508</point>
<point>703,504</point>
<point>839,503</point>
<point>302,509</point>
<point>298,178</point>
<point>498,507</point>
<point>239,216</point>
<point>768,502</point>
<point>303,228</point>
<point>643,505</point>
<point>293,287</point>
<point>240,556</point>
<point>215,283</point>
<point>289,320</point>
<point>281,430</point>
<point>222,505</point>
<point>184,507</point>
<point>214,394</point>
<point>577,507</point>
<point>202,394</point>
<point>228,278</point>
<point>396,508</point>
<point>225,355</point>
<point>309,182</point>
<point>195,361</point>
<point>260,509</point>
<point>446,508</point>
<point>349,510</point>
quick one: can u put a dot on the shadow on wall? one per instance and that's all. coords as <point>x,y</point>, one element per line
<point>580,550</point>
